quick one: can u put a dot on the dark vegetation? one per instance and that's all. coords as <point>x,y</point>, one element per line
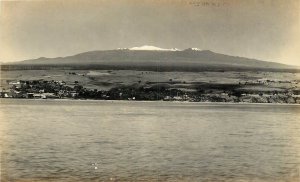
<point>196,92</point>
<point>160,68</point>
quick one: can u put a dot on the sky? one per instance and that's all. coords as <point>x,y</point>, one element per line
<point>263,29</point>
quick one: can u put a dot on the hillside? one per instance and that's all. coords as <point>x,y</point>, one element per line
<point>150,58</point>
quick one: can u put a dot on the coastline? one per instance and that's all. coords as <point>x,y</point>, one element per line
<point>231,87</point>
<point>148,101</point>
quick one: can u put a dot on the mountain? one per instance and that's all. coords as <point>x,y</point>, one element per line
<point>154,57</point>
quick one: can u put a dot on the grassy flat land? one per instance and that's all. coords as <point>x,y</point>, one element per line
<point>107,79</point>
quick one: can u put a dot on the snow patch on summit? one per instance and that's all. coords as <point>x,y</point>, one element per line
<point>151,48</point>
<point>196,49</point>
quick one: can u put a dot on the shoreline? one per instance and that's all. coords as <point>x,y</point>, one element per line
<point>151,101</point>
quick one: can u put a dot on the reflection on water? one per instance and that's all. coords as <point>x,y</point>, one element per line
<point>47,140</point>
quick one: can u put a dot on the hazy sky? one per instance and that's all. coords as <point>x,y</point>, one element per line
<point>262,29</point>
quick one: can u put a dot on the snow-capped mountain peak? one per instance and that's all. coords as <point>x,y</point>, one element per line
<point>152,48</point>
<point>196,49</point>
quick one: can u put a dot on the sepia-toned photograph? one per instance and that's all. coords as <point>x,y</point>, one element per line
<point>150,90</point>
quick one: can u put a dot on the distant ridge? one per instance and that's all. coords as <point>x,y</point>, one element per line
<point>155,57</point>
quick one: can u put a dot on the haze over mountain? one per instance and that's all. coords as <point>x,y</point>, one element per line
<point>151,56</point>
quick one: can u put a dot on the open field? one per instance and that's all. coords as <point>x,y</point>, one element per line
<point>107,79</point>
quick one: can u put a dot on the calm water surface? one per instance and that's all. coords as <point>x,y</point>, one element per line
<point>48,140</point>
